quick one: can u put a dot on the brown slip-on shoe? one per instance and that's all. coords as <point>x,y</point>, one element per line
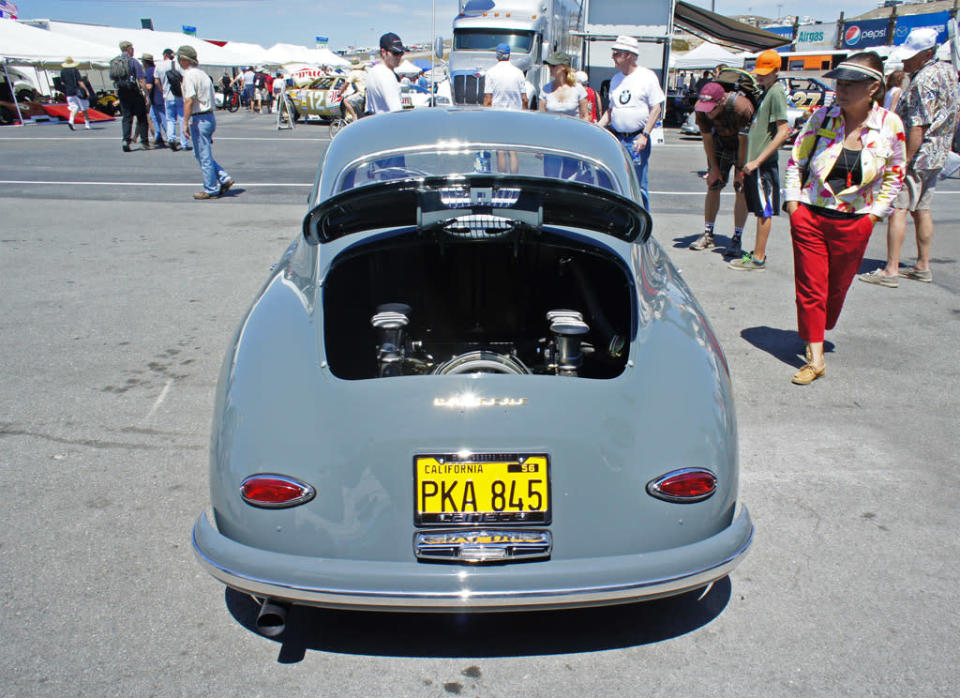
<point>202,195</point>
<point>924,275</point>
<point>808,374</point>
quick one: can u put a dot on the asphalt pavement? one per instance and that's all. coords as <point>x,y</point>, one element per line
<point>119,296</point>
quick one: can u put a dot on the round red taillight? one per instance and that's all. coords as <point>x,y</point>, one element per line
<point>684,485</point>
<point>275,491</point>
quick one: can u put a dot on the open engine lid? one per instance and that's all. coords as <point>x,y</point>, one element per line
<point>478,207</point>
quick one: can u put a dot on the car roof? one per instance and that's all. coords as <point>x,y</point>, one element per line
<point>441,126</point>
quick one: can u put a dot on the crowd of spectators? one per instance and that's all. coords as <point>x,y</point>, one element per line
<point>876,153</point>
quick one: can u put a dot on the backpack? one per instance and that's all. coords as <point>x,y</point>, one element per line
<point>259,81</point>
<point>736,81</point>
<point>121,71</point>
<point>175,81</point>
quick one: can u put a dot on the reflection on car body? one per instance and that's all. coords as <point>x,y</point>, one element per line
<point>464,389</point>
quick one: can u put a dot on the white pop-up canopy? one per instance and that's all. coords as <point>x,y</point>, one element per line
<point>254,54</point>
<point>281,54</point>
<point>407,69</point>
<point>21,44</point>
<point>706,56</point>
<point>148,41</point>
<point>325,56</point>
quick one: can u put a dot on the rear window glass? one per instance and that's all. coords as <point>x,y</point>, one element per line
<point>478,160</point>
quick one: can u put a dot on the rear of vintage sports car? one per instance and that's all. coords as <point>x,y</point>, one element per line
<point>471,389</point>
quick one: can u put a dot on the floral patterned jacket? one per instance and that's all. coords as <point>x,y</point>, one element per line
<point>932,102</point>
<point>882,162</point>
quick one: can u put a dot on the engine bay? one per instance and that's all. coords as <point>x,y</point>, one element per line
<point>420,305</point>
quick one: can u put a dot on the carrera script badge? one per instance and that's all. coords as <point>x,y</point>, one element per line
<point>470,401</point>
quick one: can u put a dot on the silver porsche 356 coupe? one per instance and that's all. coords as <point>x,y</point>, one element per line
<point>473,383</point>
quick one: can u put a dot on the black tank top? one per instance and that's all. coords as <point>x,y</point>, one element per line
<point>847,171</point>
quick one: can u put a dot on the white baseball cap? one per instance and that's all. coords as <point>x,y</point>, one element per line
<point>919,39</point>
<point>581,77</point>
<point>627,43</point>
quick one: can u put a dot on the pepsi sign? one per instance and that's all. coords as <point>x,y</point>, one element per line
<point>865,33</point>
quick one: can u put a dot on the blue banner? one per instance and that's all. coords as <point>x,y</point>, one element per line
<point>322,39</point>
<point>863,33</point>
<point>937,20</point>
<point>785,32</point>
<point>192,31</point>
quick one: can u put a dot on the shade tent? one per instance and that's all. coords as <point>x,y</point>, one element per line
<point>407,68</point>
<point>281,54</point>
<point>325,56</point>
<point>21,44</point>
<point>147,41</point>
<point>704,23</point>
<point>704,57</point>
<point>254,54</point>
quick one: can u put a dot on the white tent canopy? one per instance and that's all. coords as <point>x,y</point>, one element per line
<point>281,54</point>
<point>704,57</point>
<point>328,58</point>
<point>253,54</point>
<point>26,45</point>
<point>146,41</point>
<point>406,68</point>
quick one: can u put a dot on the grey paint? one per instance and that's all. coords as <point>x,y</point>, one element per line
<point>279,409</point>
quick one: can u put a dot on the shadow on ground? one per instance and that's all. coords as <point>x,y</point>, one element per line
<point>781,344</point>
<point>486,634</point>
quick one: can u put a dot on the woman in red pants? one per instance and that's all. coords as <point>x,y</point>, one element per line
<point>844,173</point>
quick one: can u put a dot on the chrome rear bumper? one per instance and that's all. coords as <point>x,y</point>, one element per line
<point>419,587</point>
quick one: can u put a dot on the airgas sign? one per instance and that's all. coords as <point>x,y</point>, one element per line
<point>865,33</point>
<point>816,36</point>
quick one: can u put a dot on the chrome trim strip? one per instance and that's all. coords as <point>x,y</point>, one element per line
<point>484,545</point>
<point>398,600</point>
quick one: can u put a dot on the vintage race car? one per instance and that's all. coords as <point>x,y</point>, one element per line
<point>808,93</point>
<point>474,382</point>
<point>320,99</point>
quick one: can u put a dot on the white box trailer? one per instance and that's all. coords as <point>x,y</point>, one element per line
<point>649,21</point>
<point>533,28</point>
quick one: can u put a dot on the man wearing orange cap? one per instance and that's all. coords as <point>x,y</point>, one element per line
<point>761,172</point>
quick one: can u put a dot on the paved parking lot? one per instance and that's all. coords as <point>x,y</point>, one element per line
<point>119,296</point>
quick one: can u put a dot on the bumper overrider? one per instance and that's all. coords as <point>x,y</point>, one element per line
<point>419,587</point>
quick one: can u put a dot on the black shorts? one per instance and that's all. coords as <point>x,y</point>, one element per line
<point>726,159</point>
<point>762,190</point>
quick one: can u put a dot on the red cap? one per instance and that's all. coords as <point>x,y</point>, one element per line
<point>711,95</point>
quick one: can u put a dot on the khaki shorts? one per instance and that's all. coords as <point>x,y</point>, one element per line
<point>917,192</point>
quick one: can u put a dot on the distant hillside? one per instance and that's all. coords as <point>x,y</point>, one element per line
<point>912,9</point>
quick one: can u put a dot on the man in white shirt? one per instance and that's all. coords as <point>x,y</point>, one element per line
<point>198,105</point>
<point>383,89</point>
<point>172,99</point>
<point>636,100</point>
<point>504,84</point>
<point>505,87</point>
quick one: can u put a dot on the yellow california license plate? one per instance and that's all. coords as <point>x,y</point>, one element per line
<point>481,488</point>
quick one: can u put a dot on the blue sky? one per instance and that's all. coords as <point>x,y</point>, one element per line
<point>345,22</point>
